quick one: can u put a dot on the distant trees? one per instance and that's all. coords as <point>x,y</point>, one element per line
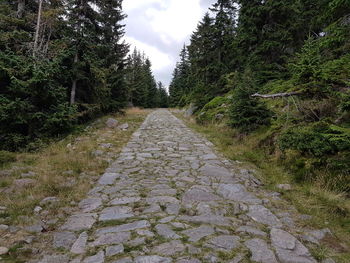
<point>63,62</point>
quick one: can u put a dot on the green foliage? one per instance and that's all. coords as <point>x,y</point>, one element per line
<point>215,110</point>
<point>247,113</point>
<point>6,157</point>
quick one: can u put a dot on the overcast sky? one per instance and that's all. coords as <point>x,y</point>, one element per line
<point>160,28</point>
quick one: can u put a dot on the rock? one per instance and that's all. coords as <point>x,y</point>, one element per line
<point>106,145</point>
<point>49,201</point>
<point>36,228</point>
<point>191,109</point>
<point>224,242</point>
<point>166,232</point>
<point>170,248</point>
<point>55,259</point>
<point>114,250</point>
<point>68,173</point>
<point>286,187</point>
<point>212,219</point>
<point>29,174</point>
<point>3,228</point>
<point>79,246</point>
<point>288,248</point>
<point>90,204</point>
<point>152,259</point>
<point>111,239</point>
<point>251,230</point>
<point>238,193</point>
<point>64,239</point>
<point>197,195</point>
<point>260,251</point>
<point>123,228</point>
<point>191,260</point>
<point>125,200</point>
<point>219,116</point>
<point>264,216</point>
<point>37,209</point>
<point>108,178</point>
<point>97,153</point>
<point>124,126</point>
<point>116,213</point>
<point>198,233</point>
<point>173,209</point>
<point>98,258</point>
<point>124,260</point>
<point>22,183</point>
<point>3,250</point>
<point>111,123</point>
<point>80,222</point>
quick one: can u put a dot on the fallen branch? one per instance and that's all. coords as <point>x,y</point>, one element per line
<point>277,95</point>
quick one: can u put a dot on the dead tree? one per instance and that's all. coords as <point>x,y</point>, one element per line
<point>277,95</point>
<point>37,29</point>
<point>21,8</point>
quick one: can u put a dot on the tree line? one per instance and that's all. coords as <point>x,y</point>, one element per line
<point>64,62</point>
<point>243,53</point>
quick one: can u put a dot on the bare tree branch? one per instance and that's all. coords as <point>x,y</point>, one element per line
<point>277,95</point>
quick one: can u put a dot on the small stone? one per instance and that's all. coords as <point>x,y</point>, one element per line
<point>37,209</point>
<point>224,242</point>
<point>29,174</point>
<point>112,123</point>
<point>116,213</point>
<point>198,233</point>
<point>55,259</point>
<point>108,178</point>
<point>286,187</point>
<point>152,259</point>
<point>262,215</point>
<point>111,239</point>
<point>124,260</point>
<point>169,249</point>
<point>79,245</point>
<point>125,200</point>
<point>36,228</point>
<point>114,250</point>
<point>21,183</point>
<point>90,204</point>
<point>79,222</point>
<point>260,251</point>
<point>98,258</point>
<point>4,250</point>
<point>166,232</point>
<point>4,228</point>
<point>238,193</point>
<point>124,126</point>
<point>64,239</point>
<point>251,230</point>
<point>49,200</point>
<point>68,173</point>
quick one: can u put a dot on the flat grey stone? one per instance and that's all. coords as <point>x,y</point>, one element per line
<point>166,232</point>
<point>162,199</point>
<point>79,245</point>
<point>152,259</point>
<point>55,259</point>
<point>115,213</point>
<point>125,200</point>
<point>3,250</point>
<point>198,233</point>
<point>126,227</point>
<point>238,193</point>
<point>260,251</point>
<point>49,200</point>
<point>197,195</point>
<point>213,220</point>
<point>80,222</point>
<point>90,204</point>
<point>21,183</point>
<point>111,239</point>
<point>169,249</point>
<point>123,260</point>
<point>191,260</point>
<point>98,258</point>
<point>289,249</point>
<point>263,215</point>
<point>251,230</point>
<point>63,239</point>
<point>108,178</point>
<point>114,250</point>
<point>111,123</point>
<point>224,242</point>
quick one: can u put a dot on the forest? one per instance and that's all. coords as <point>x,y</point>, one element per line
<point>276,72</point>
<point>65,63</point>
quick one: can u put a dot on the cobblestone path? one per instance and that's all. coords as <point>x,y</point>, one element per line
<point>170,198</point>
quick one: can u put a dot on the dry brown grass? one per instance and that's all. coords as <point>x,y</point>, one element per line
<point>65,169</point>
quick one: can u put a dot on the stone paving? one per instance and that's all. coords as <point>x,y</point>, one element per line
<point>170,198</point>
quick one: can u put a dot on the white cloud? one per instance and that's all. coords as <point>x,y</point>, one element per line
<point>160,27</point>
<point>159,59</point>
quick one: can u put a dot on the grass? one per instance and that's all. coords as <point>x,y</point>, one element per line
<point>73,154</point>
<point>327,208</point>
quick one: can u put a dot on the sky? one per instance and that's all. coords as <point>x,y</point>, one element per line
<point>160,28</point>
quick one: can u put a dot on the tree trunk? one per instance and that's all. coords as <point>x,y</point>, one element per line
<point>20,8</point>
<point>37,29</point>
<point>74,84</point>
